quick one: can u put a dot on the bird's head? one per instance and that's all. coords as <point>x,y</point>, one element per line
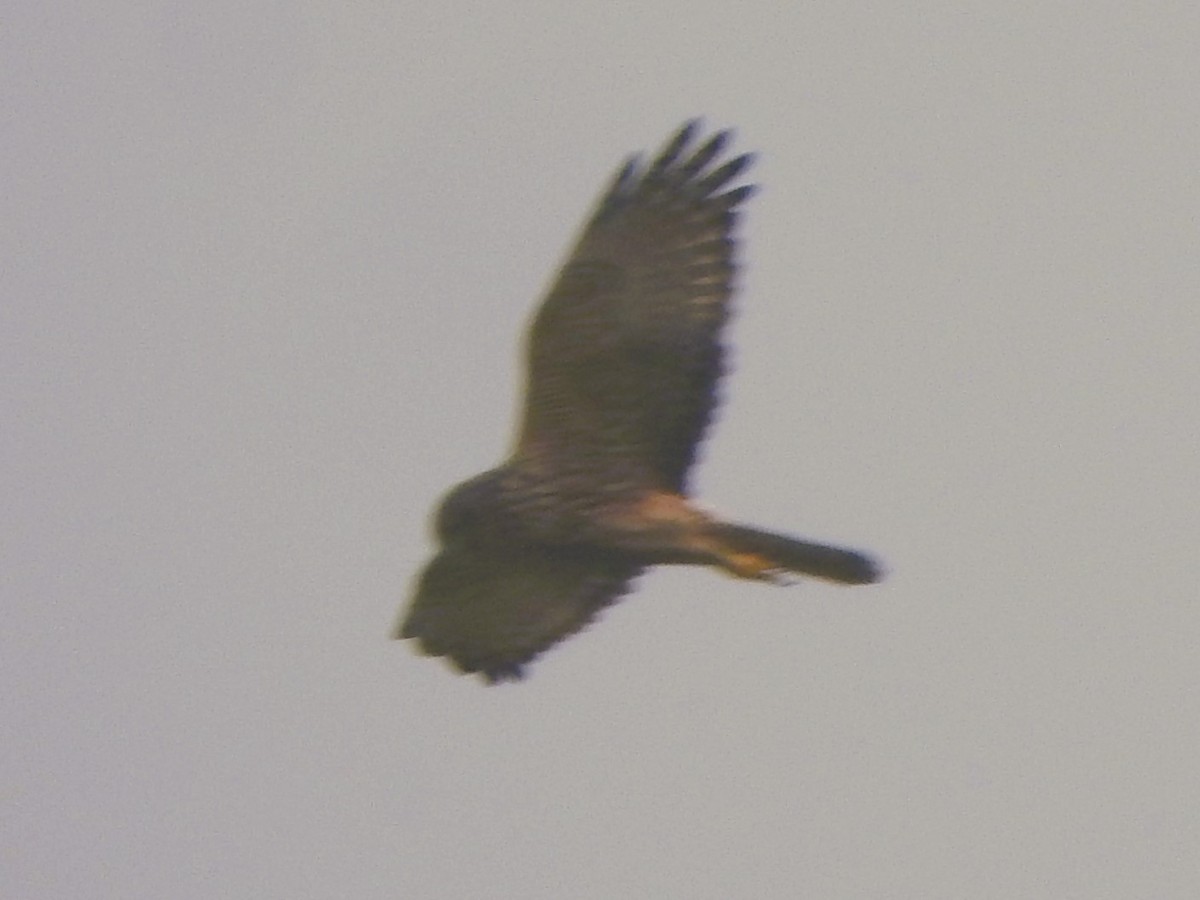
<point>469,510</point>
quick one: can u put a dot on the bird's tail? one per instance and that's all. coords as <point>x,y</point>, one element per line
<point>763,555</point>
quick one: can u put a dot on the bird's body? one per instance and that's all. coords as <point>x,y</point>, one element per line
<point>624,356</point>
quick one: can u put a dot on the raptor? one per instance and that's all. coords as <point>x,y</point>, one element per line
<point>623,360</point>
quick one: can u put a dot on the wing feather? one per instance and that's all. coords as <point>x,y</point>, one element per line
<point>625,352</point>
<point>492,613</point>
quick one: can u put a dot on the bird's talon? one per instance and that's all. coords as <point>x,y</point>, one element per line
<point>754,567</point>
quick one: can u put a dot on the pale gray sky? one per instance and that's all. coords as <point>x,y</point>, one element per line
<point>264,270</point>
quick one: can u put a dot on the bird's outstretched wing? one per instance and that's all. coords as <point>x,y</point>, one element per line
<point>625,354</point>
<point>492,613</point>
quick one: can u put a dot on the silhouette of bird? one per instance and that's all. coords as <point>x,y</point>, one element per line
<point>624,356</point>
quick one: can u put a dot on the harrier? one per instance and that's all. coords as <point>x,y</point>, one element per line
<point>624,357</point>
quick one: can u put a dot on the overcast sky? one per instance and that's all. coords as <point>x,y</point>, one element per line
<point>263,272</point>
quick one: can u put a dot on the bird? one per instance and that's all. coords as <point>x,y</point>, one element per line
<point>623,359</point>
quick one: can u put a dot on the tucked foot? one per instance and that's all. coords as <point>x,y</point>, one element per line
<point>754,566</point>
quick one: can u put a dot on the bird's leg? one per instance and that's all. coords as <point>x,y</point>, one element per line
<point>751,566</point>
<point>665,528</point>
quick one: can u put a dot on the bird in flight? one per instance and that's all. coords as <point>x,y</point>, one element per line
<point>623,360</point>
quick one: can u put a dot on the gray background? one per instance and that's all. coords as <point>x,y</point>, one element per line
<point>264,270</point>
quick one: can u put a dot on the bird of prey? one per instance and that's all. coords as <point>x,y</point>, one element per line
<point>623,360</point>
